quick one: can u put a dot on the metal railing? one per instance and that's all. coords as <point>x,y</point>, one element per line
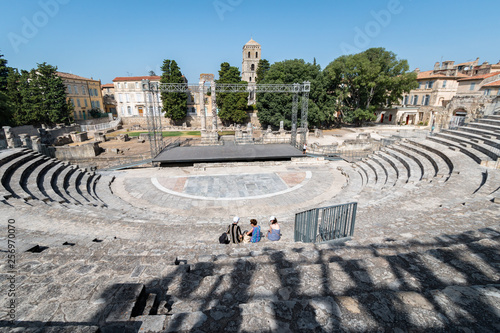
<point>326,223</point>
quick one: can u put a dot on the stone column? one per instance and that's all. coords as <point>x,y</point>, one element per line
<point>9,136</point>
<point>203,118</point>
<point>214,107</point>
<point>25,140</point>
<point>36,144</point>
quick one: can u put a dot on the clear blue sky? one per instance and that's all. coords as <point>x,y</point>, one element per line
<point>106,39</point>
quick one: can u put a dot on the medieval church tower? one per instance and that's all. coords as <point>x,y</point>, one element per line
<point>251,57</point>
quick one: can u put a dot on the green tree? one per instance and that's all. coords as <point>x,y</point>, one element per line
<point>174,104</point>
<point>40,97</point>
<point>262,69</point>
<point>363,82</point>
<point>14,98</point>
<point>5,112</point>
<point>95,112</point>
<point>274,107</point>
<point>233,107</point>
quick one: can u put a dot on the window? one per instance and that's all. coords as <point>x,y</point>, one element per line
<point>429,84</point>
<point>444,84</point>
<point>125,85</point>
<point>120,97</point>
<point>69,90</point>
<point>92,104</point>
<point>72,102</point>
<point>420,85</point>
<point>98,104</point>
<point>250,79</point>
<point>390,117</point>
<point>427,99</point>
<point>137,85</point>
<point>83,90</point>
<point>86,104</point>
<point>472,86</point>
<point>248,54</point>
<point>129,110</point>
<point>78,102</point>
<point>127,96</point>
<point>122,110</point>
<point>415,99</point>
<point>405,100</point>
<point>256,54</point>
<point>95,92</point>
<point>119,86</point>
<point>487,92</point>
<point>252,67</point>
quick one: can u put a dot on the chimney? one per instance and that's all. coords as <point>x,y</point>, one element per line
<point>417,70</point>
<point>436,66</point>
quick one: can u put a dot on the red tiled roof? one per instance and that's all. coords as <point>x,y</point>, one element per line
<point>136,78</point>
<point>430,75</point>
<point>479,77</point>
<point>73,76</point>
<point>108,85</point>
<point>493,84</point>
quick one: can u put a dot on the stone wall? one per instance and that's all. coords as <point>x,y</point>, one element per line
<point>84,151</point>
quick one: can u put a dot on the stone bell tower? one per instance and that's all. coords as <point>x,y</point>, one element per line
<point>251,56</point>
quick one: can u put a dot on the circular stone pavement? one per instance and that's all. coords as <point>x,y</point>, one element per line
<point>222,191</point>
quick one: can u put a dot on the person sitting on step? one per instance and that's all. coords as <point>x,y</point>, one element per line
<point>274,229</point>
<point>234,231</point>
<point>253,235</point>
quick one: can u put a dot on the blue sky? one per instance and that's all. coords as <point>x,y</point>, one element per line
<point>106,39</point>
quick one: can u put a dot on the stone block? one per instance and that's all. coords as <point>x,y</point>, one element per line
<point>152,323</point>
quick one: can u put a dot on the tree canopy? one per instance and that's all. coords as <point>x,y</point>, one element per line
<point>174,103</point>
<point>274,107</point>
<point>5,113</point>
<point>233,107</point>
<point>262,69</point>
<point>363,82</point>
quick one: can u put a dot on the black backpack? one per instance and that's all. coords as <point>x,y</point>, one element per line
<point>224,238</point>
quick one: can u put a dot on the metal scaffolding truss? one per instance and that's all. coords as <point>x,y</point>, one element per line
<point>154,88</point>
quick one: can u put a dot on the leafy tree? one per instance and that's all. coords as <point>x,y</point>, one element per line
<point>5,113</point>
<point>14,98</point>
<point>262,69</point>
<point>363,82</point>
<point>39,96</point>
<point>174,104</point>
<point>233,107</point>
<point>274,108</point>
<point>95,112</point>
<point>152,73</point>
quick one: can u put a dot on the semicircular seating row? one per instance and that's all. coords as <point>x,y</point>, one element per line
<point>28,175</point>
<point>438,158</point>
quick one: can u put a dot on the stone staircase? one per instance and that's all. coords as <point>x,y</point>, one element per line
<point>429,284</point>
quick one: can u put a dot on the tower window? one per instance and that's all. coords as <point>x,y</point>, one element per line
<point>248,54</point>
<point>256,54</point>
<point>252,67</point>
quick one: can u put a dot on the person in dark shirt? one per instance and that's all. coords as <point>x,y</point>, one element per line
<point>234,231</point>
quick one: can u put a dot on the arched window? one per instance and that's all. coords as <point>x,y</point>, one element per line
<point>256,54</point>
<point>250,79</point>
<point>252,67</point>
<point>248,54</point>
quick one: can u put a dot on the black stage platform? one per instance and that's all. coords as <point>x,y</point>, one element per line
<point>227,153</point>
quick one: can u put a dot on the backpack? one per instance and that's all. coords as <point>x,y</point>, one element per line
<point>224,238</point>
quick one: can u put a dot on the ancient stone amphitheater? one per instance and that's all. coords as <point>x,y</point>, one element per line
<point>136,250</point>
